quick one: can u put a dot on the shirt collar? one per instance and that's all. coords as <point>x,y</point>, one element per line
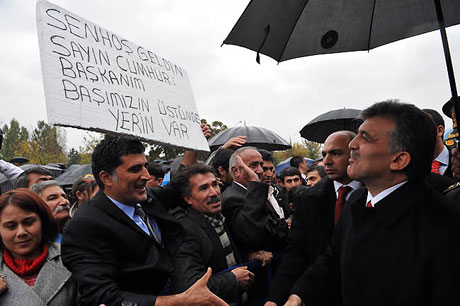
<point>127,209</point>
<point>443,157</point>
<point>382,194</point>
<point>353,184</point>
<point>245,188</point>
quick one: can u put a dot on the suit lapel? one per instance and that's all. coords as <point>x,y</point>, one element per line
<point>102,202</point>
<point>52,276</point>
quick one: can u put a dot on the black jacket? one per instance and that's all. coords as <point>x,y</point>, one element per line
<point>114,261</point>
<point>404,251</point>
<point>311,231</point>
<point>201,249</point>
<point>248,218</point>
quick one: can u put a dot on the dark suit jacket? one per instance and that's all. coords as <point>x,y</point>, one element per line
<point>114,261</point>
<point>404,251</point>
<point>247,216</point>
<point>202,249</point>
<point>311,232</point>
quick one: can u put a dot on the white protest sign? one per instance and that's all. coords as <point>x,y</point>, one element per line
<point>96,80</point>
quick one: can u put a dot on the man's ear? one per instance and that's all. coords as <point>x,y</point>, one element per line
<point>235,171</point>
<point>188,200</point>
<point>106,178</point>
<point>400,161</point>
<point>440,131</point>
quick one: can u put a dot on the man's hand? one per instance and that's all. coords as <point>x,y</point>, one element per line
<point>294,300</point>
<point>247,172</point>
<point>206,130</point>
<point>264,256</point>
<point>234,142</point>
<point>199,294</point>
<point>455,160</point>
<point>244,277</point>
<point>270,304</point>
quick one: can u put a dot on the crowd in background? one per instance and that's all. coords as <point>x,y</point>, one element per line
<point>373,222</point>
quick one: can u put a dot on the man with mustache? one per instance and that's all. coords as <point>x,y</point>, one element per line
<point>119,245</point>
<point>56,198</point>
<point>207,242</point>
<point>396,242</point>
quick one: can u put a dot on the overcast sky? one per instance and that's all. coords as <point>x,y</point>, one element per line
<point>227,83</point>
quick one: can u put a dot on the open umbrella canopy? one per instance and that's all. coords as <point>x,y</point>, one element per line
<point>336,120</point>
<point>285,30</point>
<point>74,172</point>
<point>258,137</point>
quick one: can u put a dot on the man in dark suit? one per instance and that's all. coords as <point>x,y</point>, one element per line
<point>441,161</point>
<point>207,241</point>
<point>246,205</point>
<point>119,245</point>
<point>396,242</point>
<point>315,216</point>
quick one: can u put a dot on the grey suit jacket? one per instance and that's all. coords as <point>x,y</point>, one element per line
<point>53,287</point>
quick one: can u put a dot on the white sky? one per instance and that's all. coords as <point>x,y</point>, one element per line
<point>228,84</point>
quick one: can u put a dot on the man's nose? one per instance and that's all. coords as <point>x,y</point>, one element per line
<point>64,201</point>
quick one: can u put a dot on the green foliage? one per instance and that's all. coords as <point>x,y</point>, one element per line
<point>216,126</point>
<point>162,152</point>
<point>307,148</point>
<point>46,145</point>
<point>73,157</point>
<point>13,136</point>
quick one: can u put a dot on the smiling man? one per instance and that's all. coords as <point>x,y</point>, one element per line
<point>396,242</point>
<point>207,242</point>
<point>119,245</point>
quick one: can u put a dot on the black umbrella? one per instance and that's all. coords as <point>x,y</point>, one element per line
<point>285,30</point>
<point>74,172</point>
<point>336,120</point>
<point>258,137</point>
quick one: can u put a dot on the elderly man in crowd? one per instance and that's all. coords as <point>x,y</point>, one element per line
<point>119,245</point>
<point>254,216</point>
<point>315,216</point>
<point>396,242</point>
<point>52,193</point>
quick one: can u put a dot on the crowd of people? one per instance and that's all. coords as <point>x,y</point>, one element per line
<point>374,222</point>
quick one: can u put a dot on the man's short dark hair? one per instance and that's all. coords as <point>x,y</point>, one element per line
<point>296,161</point>
<point>107,154</point>
<point>221,159</point>
<point>182,180</point>
<point>319,169</point>
<point>22,181</point>
<point>155,170</point>
<point>437,118</point>
<point>266,155</point>
<point>289,171</point>
<point>414,132</point>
